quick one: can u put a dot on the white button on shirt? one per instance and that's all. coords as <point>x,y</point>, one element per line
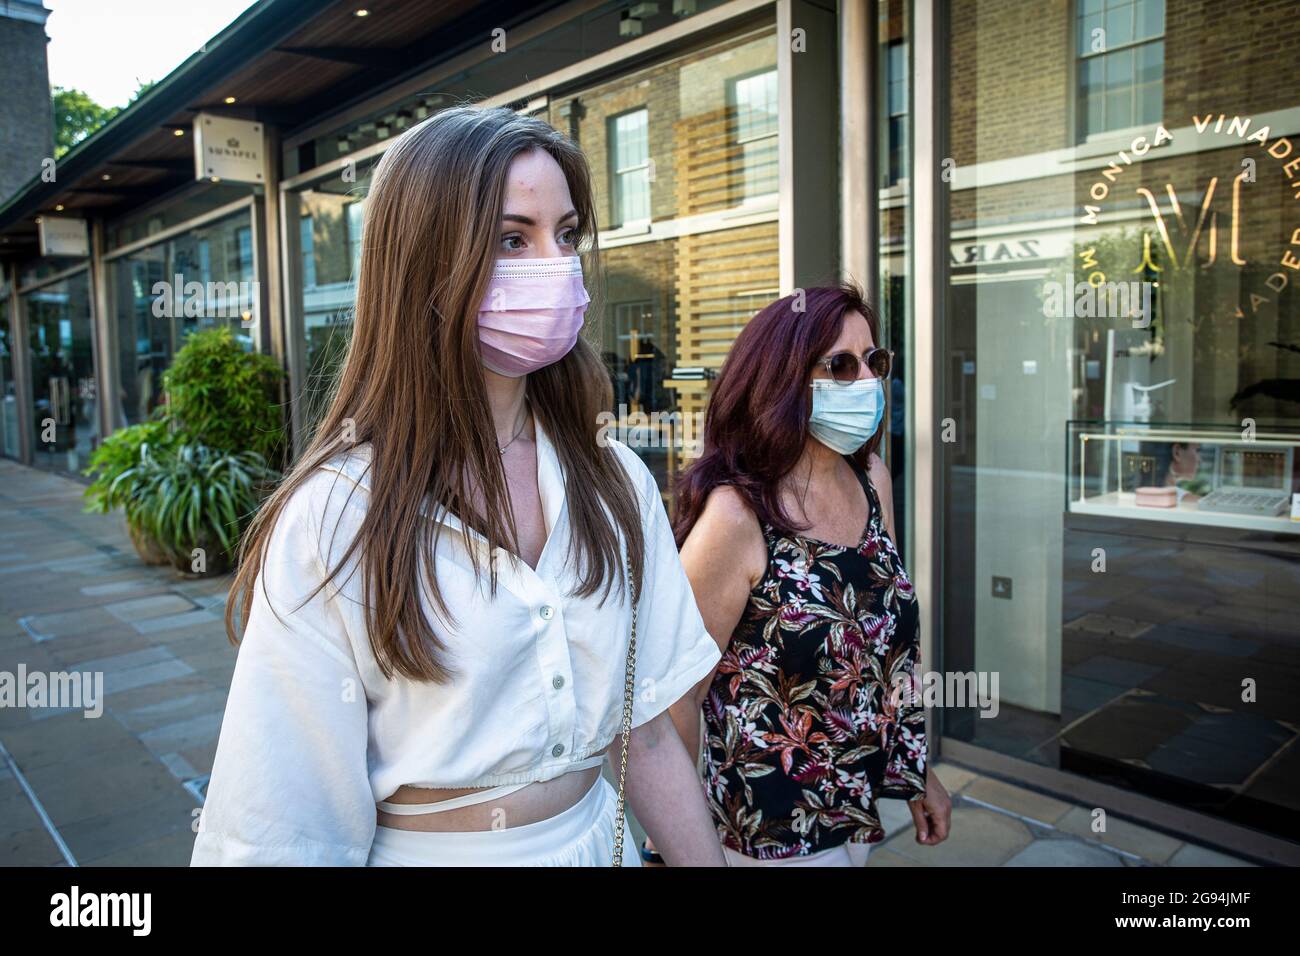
<point>314,735</point>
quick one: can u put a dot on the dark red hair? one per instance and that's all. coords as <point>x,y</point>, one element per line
<point>757,419</point>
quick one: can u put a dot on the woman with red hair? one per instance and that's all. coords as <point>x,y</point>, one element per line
<point>786,530</point>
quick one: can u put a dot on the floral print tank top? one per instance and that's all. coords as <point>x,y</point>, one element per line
<point>804,729</point>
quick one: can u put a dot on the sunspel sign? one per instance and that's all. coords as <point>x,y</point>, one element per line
<point>63,236</point>
<point>228,149</point>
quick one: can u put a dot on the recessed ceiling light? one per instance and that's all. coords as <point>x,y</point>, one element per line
<point>179,132</point>
<point>229,100</point>
<point>363,12</point>
<point>59,208</point>
<point>106,177</point>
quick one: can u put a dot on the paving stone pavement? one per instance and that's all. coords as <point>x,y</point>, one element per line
<point>122,789</point>
<point>74,597</point>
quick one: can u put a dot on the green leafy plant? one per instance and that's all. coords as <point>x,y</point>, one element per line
<point>117,453</point>
<point>224,397</point>
<point>193,475</point>
<point>192,496</point>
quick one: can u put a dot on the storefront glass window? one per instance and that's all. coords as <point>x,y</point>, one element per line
<point>1121,393</point>
<point>34,270</point>
<point>159,294</point>
<point>683,157</point>
<point>894,165</point>
<point>196,201</point>
<point>327,254</point>
<point>8,392</point>
<point>680,285</point>
<point>61,357</point>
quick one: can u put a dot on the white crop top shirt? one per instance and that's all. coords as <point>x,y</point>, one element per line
<point>314,735</point>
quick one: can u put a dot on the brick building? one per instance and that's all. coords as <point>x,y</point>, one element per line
<point>26,120</point>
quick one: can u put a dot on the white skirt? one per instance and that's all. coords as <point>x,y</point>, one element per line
<point>846,854</point>
<point>582,835</point>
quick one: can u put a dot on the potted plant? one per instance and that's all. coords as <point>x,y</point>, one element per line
<point>194,501</point>
<point>117,453</point>
<point>189,479</point>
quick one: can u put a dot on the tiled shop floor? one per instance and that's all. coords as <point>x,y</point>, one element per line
<point>123,788</point>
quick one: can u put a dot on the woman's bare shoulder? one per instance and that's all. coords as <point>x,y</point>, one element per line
<point>728,528</point>
<point>727,507</point>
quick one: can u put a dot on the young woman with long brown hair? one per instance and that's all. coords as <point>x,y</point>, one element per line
<point>787,533</point>
<point>438,602</point>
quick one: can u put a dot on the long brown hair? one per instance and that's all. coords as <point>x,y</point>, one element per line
<point>756,423</point>
<point>412,386</point>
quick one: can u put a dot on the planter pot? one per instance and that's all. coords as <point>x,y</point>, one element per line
<point>216,563</point>
<point>146,547</point>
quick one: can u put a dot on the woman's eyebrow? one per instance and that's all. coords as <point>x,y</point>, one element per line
<point>529,221</point>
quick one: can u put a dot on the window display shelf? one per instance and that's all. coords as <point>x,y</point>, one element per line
<point>1123,504</point>
<point>1212,476</point>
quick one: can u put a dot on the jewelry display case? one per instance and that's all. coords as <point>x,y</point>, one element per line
<point>1208,475</point>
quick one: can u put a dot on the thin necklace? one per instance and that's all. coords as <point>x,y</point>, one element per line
<point>518,431</point>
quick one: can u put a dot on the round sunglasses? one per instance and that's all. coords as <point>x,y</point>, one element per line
<point>845,367</point>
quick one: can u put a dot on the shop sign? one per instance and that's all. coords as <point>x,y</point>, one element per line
<point>227,149</point>
<point>63,236</point>
<point>1196,239</point>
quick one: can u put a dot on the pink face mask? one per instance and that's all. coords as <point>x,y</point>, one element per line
<point>532,313</point>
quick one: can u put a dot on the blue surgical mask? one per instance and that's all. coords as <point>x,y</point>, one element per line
<point>844,417</point>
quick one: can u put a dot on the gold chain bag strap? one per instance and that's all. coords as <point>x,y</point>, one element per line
<point>629,689</point>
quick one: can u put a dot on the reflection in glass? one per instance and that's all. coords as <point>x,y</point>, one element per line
<point>629,144</point>
<point>329,216</point>
<point>753,100</point>
<point>1120,66</point>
